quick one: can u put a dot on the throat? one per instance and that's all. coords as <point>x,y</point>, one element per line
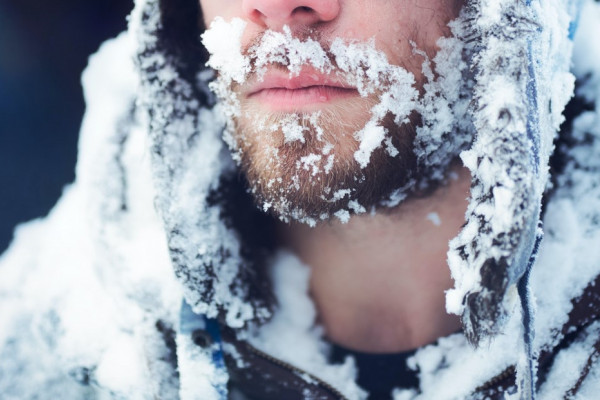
<point>379,281</point>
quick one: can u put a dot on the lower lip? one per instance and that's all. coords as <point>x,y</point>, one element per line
<point>282,99</point>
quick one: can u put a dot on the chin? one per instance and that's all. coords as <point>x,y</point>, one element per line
<point>316,177</point>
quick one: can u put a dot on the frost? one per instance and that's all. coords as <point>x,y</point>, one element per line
<point>282,47</point>
<point>390,148</point>
<point>568,366</point>
<point>350,59</point>
<point>183,181</point>
<point>330,160</point>
<point>434,218</point>
<point>200,377</point>
<point>340,194</point>
<point>356,207</point>
<point>343,216</point>
<point>404,394</point>
<point>586,53</point>
<point>370,138</point>
<point>224,41</point>
<point>310,162</point>
<point>397,196</point>
<point>446,127</point>
<point>128,373</point>
<point>110,257</point>
<point>78,306</point>
<point>509,158</point>
<point>292,130</point>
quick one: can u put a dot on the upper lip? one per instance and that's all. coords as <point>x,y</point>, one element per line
<point>282,79</point>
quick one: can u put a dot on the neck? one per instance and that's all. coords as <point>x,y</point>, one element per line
<point>378,281</point>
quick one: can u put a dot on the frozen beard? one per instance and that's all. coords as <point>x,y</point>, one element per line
<point>336,158</point>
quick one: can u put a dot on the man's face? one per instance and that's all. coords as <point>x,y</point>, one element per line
<point>328,128</point>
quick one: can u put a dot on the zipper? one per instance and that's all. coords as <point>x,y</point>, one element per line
<point>497,379</point>
<point>321,383</point>
<point>507,373</point>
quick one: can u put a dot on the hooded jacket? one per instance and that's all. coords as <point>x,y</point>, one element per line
<point>91,307</point>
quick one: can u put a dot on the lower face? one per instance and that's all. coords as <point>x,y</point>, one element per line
<point>297,142</point>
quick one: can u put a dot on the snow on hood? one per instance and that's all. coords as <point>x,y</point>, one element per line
<point>190,164</point>
<point>218,241</point>
<point>517,109</point>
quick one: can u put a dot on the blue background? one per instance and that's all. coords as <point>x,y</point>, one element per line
<point>44,46</point>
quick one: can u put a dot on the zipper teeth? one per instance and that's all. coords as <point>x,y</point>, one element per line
<point>503,375</point>
<point>498,378</point>
<point>297,370</point>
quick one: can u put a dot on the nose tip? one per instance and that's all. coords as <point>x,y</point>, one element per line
<point>276,13</point>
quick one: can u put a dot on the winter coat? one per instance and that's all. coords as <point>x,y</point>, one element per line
<point>265,377</point>
<point>150,278</point>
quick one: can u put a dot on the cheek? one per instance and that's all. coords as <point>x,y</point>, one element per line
<point>423,23</point>
<point>226,9</point>
<point>391,24</point>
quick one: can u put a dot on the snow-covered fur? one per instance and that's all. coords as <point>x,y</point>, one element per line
<point>89,304</point>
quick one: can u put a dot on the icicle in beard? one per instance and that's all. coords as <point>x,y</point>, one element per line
<point>309,166</point>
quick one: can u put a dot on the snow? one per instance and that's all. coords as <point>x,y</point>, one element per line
<point>451,368</point>
<point>343,216</point>
<point>224,41</point>
<point>87,300</point>
<point>370,139</point>
<point>120,366</point>
<point>434,218</point>
<point>509,158</point>
<point>356,207</point>
<point>99,271</point>
<point>568,366</point>
<point>590,387</point>
<point>446,126</point>
<point>200,378</point>
<point>183,180</point>
<point>292,129</point>
<point>585,53</point>
<point>282,47</point>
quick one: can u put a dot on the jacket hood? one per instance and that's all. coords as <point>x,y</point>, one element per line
<point>515,109</point>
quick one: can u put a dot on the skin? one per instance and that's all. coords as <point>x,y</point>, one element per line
<point>378,281</point>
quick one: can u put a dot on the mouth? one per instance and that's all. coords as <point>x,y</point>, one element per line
<point>308,91</point>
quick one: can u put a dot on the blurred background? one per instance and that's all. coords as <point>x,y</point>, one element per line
<point>44,47</point>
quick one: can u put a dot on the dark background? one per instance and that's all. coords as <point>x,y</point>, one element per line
<point>44,47</point>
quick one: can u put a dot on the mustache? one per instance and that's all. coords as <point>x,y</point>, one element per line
<point>301,34</point>
<point>356,64</point>
<point>290,50</point>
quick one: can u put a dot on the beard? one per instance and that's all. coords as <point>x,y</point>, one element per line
<point>346,158</point>
<point>314,178</point>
